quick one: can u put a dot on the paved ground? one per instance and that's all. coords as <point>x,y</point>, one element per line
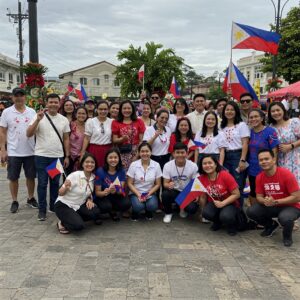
<point>144,260</point>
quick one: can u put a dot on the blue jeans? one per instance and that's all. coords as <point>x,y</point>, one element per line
<point>150,205</point>
<point>41,163</point>
<point>231,162</point>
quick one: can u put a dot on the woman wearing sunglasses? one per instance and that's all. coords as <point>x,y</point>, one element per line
<point>97,135</point>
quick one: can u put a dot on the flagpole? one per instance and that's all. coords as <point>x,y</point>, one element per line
<point>144,81</point>
<point>230,63</point>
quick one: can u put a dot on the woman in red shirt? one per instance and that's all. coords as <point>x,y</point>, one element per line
<point>127,132</point>
<point>222,197</point>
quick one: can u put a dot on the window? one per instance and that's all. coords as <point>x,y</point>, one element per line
<point>96,81</point>
<point>10,78</point>
<point>18,79</point>
<point>2,76</point>
<point>261,89</point>
<point>83,81</point>
<point>248,75</point>
<point>116,83</point>
<point>106,78</point>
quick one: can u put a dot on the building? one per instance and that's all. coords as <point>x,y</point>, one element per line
<point>9,75</point>
<point>251,66</point>
<point>98,80</point>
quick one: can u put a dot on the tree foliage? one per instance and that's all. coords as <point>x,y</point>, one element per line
<point>288,58</point>
<point>160,66</point>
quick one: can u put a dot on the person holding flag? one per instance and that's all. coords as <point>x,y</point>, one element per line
<point>221,201</point>
<point>74,203</point>
<point>110,186</point>
<point>144,180</point>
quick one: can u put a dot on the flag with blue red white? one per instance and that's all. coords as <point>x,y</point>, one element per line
<point>80,92</point>
<point>118,185</point>
<point>174,89</point>
<point>55,168</point>
<point>193,145</point>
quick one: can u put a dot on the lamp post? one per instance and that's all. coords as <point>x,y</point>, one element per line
<point>278,15</point>
<point>33,31</point>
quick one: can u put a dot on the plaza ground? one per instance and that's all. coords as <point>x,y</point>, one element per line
<point>139,260</point>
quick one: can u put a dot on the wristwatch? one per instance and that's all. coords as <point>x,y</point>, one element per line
<point>242,160</point>
<point>293,146</point>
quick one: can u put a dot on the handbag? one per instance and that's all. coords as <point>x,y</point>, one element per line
<point>127,148</point>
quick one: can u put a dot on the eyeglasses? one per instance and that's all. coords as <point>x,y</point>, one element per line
<point>102,128</point>
<point>154,97</point>
<point>245,101</point>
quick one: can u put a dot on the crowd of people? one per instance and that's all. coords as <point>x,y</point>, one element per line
<point>123,161</point>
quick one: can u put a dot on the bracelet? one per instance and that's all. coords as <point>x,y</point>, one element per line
<point>242,160</point>
<point>293,146</point>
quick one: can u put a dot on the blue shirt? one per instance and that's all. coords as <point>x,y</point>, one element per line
<point>265,139</point>
<point>104,179</point>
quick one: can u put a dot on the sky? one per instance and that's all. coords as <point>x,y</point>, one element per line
<point>74,34</point>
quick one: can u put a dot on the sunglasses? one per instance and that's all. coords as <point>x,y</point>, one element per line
<point>154,97</point>
<point>245,101</point>
<point>102,128</point>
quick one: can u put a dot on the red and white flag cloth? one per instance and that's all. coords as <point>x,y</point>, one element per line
<point>141,73</point>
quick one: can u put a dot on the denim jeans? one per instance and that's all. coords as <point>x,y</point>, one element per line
<point>150,205</point>
<point>231,162</point>
<point>41,163</point>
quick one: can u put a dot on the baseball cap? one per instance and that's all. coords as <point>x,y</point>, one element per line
<point>18,90</point>
<point>89,101</point>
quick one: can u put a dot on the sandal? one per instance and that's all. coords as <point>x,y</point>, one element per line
<point>61,228</point>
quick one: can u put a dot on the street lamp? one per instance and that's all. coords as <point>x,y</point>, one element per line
<point>278,15</point>
<point>33,31</point>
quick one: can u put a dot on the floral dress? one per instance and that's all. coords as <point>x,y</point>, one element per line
<point>287,135</point>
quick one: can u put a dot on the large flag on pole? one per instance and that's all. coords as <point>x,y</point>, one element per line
<point>247,37</point>
<point>237,83</point>
<point>174,88</point>
<point>194,189</point>
<point>80,92</point>
<point>141,73</point>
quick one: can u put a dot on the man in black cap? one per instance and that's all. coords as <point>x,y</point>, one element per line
<point>20,149</point>
<point>90,106</point>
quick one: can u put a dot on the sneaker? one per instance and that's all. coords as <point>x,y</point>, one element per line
<point>167,218</point>
<point>134,217</point>
<point>205,221</point>
<point>32,203</point>
<point>269,231</point>
<point>14,207</point>
<point>41,216</point>
<point>183,214</point>
<point>231,230</point>
<point>215,226</point>
<point>287,242</point>
<point>149,215</point>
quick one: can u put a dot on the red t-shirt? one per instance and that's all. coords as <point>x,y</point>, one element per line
<point>137,127</point>
<point>279,186</point>
<point>221,188</point>
<point>173,142</point>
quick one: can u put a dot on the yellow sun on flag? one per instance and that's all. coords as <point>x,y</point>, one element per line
<point>239,35</point>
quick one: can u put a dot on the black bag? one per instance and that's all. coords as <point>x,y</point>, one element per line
<point>127,148</point>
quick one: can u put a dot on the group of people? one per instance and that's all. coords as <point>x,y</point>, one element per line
<point>118,159</point>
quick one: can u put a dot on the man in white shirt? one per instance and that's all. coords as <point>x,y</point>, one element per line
<point>20,149</point>
<point>197,116</point>
<point>49,147</point>
<point>177,174</point>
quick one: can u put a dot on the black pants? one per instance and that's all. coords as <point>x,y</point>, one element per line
<point>112,202</point>
<point>225,215</point>
<point>168,198</point>
<point>74,220</point>
<point>263,215</point>
<point>161,159</point>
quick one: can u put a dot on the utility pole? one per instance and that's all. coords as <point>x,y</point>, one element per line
<point>18,19</point>
<point>33,31</point>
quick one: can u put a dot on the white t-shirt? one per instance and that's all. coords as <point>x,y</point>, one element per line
<point>213,143</point>
<point>47,141</point>
<point>94,129</point>
<point>144,180</point>
<point>172,122</point>
<point>196,120</point>
<point>80,190</point>
<point>235,134</point>
<point>181,176</point>
<point>161,144</point>
<point>18,144</point>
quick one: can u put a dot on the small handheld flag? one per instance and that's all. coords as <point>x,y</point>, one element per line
<point>70,87</point>
<point>117,184</point>
<point>141,73</point>
<point>80,92</point>
<point>55,168</point>
<point>174,88</point>
<point>194,189</point>
<point>247,37</point>
<point>193,145</point>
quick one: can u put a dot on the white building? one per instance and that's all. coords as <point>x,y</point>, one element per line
<point>9,74</point>
<point>98,79</point>
<point>251,66</point>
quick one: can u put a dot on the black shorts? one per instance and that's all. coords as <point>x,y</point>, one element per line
<point>252,185</point>
<point>14,166</point>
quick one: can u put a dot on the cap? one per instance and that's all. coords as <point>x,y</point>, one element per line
<point>18,90</point>
<point>89,101</point>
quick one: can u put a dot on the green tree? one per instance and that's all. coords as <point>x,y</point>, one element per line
<point>288,58</point>
<point>215,92</point>
<point>160,66</point>
<point>192,79</point>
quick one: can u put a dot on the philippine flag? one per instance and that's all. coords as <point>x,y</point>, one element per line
<point>238,84</point>
<point>55,168</point>
<point>174,88</point>
<point>119,188</point>
<point>80,92</point>
<point>247,37</point>
<point>193,145</point>
<point>194,189</point>
<point>141,73</point>
<point>70,87</point>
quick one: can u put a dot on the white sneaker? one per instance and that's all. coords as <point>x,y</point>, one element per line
<point>183,214</point>
<point>205,221</point>
<point>167,218</point>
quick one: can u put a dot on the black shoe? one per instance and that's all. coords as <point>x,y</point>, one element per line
<point>269,231</point>
<point>134,217</point>
<point>14,207</point>
<point>149,215</point>
<point>215,226</point>
<point>32,203</point>
<point>287,242</point>
<point>231,231</point>
<point>98,222</point>
<point>42,216</point>
<point>114,217</point>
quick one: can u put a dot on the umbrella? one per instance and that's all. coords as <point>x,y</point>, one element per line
<point>293,89</point>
